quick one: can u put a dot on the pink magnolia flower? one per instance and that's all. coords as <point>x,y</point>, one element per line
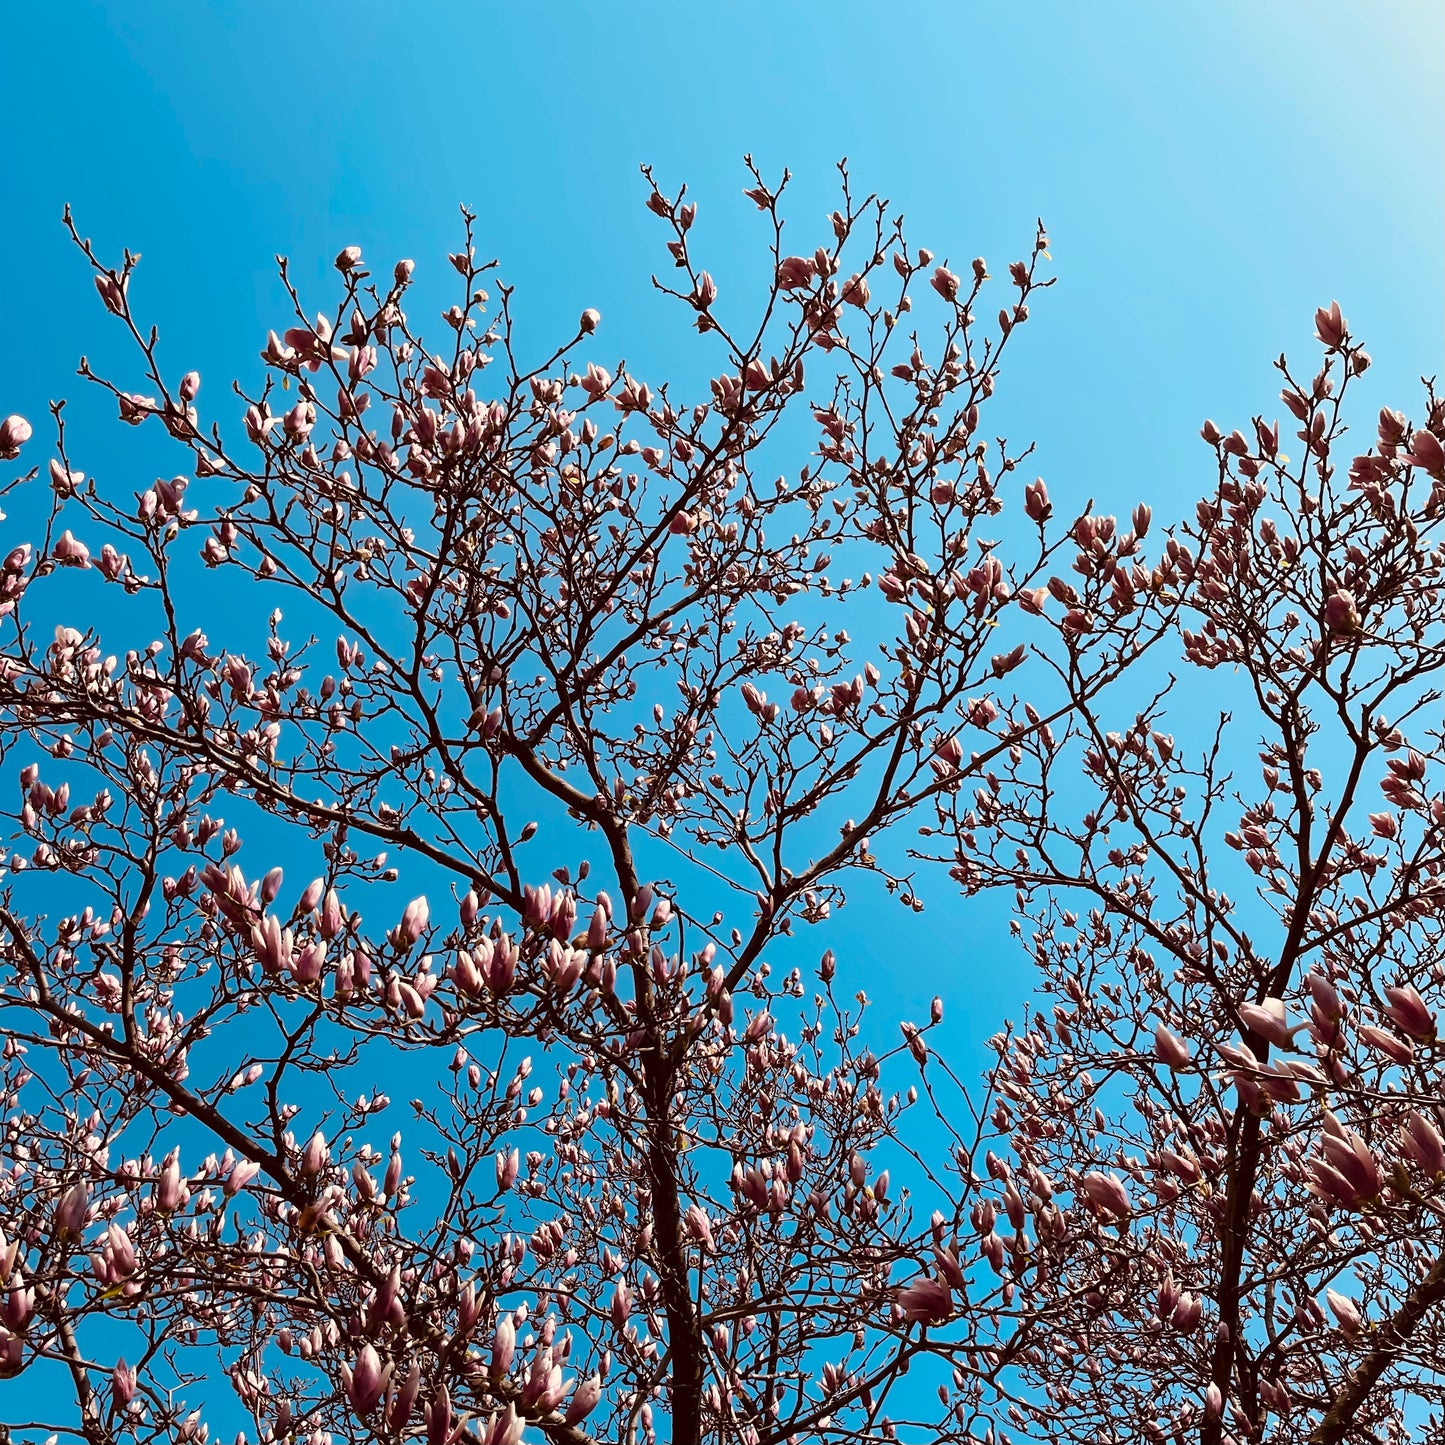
<point>1348,1174</point>
<point>438,1416</point>
<point>504,1345</point>
<point>1267,1019</point>
<point>72,1211</point>
<point>243,1171</point>
<point>123,1382</point>
<point>365,1382</point>
<point>70,551</point>
<point>1342,614</point>
<point>1346,1311</point>
<point>945,283</point>
<point>1106,1192</point>
<point>15,431</point>
<point>413,923</point>
<point>1422,1142</point>
<point>699,1226</point>
<point>1405,1007</point>
<point>795,272</point>
<point>508,1162</point>
<point>584,1400</point>
<point>1397,1050</point>
<point>1330,325</point>
<point>1427,453</point>
<point>1170,1049</point>
<point>925,1300</point>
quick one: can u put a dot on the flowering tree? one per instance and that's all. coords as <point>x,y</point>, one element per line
<point>593,705</point>
<point>1245,1095</point>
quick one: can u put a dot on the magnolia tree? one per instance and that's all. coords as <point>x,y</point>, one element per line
<point>540,668</point>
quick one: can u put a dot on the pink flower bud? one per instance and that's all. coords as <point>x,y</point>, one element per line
<point>314,1155</point>
<point>1423,1144</point>
<point>1107,1193</point>
<point>1405,1007</point>
<point>123,1382</point>
<point>439,1418</point>
<point>1342,616</point>
<point>1267,1019</point>
<point>699,1226</point>
<point>1397,1050</point>
<point>1330,325</point>
<point>1170,1049</point>
<point>348,258</point>
<point>945,283</point>
<point>15,431</point>
<point>366,1380</point>
<point>504,1345</point>
<point>112,292</point>
<point>71,552</point>
<point>72,1211</point>
<point>589,321</point>
<point>333,918</point>
<point>1425,452</point>
<point>795,272</point>
<point>242,1173</point>
<point>413,923</point>
<point>1344,1309</point>
<point>508,1162</point>
<point>584,1400</point>
<point>925,1300</point>
<point>170,1189</point>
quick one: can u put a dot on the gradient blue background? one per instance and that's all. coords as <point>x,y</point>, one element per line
<point>1209,173</point>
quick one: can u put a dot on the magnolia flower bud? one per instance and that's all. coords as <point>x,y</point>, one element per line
<point>366,1380</point>
<point>1267,1019</point>
<point>504,1345</point>
<point>1170,1049</point>
<point>242,1173</point>
<point>123,1382</point>
<point>413,922</point>
<point>925,1301</point>
<point>1107,1193</point>
<point>71,1212</point>
<point>314,1155</point>
<point>508,1162</point>
<point>589,320</point>
<point>1345,1310</point>
<point>1342,615</point>
<point>1330,325</point>
<point>945,283</point>
<point>15,431</point>
<point>1405,1007</point>
<point>439,1418</point>
<point>584,1400</point>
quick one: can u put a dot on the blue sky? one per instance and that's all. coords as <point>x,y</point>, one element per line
<point>1209,173</point>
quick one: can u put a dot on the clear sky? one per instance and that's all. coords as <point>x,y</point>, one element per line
<point>1209,172</point>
